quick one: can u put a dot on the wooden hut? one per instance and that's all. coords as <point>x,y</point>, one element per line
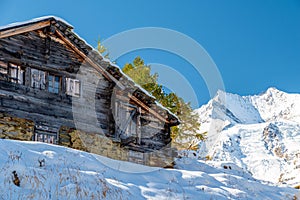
<point>55,88</point>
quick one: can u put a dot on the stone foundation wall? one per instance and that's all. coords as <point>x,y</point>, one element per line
<point>101,145</point>
<point>15,128</point>
<point>22,129</point>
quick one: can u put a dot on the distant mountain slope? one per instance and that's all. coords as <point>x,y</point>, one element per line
<point>259,133</point>
<point>71,174</point>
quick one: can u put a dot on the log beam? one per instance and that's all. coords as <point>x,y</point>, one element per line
<point>143,105</point>
<point>147,108</point>
<point>24,29</point>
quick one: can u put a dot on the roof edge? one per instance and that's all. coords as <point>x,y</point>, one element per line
<point>35,20</point>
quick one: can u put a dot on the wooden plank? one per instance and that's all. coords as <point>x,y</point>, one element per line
<point>24,29</point>
<point>138,126</point>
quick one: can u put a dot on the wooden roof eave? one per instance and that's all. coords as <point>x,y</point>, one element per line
<point>23,29</point>
<point>170,119</point>
<point>147,108</point>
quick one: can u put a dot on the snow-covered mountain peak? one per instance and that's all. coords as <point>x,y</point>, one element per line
<point>272,105</point>
<point>276,105</point>
<point>260,133</point>
<point>230,108</point>
<point>273,90</point>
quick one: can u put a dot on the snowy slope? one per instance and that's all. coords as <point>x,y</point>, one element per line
<point>72,174</point>
<point>260,133</point>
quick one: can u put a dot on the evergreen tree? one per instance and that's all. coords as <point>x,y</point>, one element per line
<point>102,49</point>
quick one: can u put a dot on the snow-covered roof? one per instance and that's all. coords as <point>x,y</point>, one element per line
<point>35,20</point>
<point>120,77</point>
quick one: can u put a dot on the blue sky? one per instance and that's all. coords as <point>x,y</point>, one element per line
<point>255,44</point>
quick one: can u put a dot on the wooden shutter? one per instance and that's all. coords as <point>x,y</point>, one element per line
<point>38,79</point>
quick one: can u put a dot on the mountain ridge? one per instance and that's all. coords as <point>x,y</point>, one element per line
<point>259,133</point>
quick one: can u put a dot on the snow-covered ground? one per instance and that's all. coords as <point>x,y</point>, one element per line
<point>259,133</point>
<point>72,174</point>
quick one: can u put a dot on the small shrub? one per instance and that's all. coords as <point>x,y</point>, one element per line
<point>15,156</point>
<point>16,179</point>
<point>41,162</point>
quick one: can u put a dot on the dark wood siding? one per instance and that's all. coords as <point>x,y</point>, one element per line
<point>36,50</point>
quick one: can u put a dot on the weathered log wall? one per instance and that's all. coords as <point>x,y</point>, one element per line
<point>36,50</point>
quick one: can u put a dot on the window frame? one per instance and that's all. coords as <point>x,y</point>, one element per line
<point>42,76</point>
<point>45,138</point>
<point>53,88</point>
<point>73,87</point>
<point>19,71</point>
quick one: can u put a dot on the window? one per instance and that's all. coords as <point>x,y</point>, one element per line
<point>126,120</point>
<point>132,126</point>
<point>73,87</point>
<point>16,74</point>
<point>54,84</point>
<point>40,138</point>
<point>38,79</point>
<point>51,139</point>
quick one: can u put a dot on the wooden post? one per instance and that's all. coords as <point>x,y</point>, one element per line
<point>117,120</point>
<point>138,126</point>
<point>27,77</point>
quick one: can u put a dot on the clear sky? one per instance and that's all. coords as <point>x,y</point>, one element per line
<point>255,44</point>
